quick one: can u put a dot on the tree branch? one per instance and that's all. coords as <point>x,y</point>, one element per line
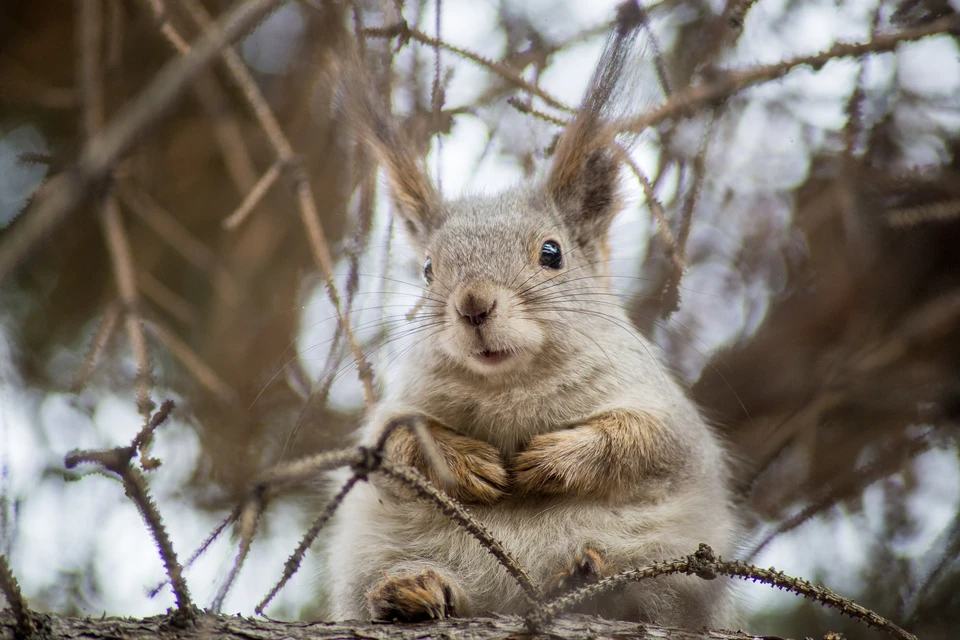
<point>211,627</point>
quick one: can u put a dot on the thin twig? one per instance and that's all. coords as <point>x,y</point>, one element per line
<point>118,461</point>
<point>292,564</point>
<point>165,298</point>
<point>305,200</point>
<point>210,539</point>
<point>180,239</point>
<point>455,511</point>
<point>670,246</point>
<point>67,191</point>
<point>685,102</point>
<point>670,296</point>
<point>406,32</point>
<point>528,109</point>
<point>193,363</point>
<point>121,258</point>
<point>11,590</point>
<point>705,565</point>
<point>101,338</point>
<point>90,25</point>
<point>248,513</point>
<point>920,214</point>
<point>248,521</point>
<point>227,131</point>
<point>253,198</point>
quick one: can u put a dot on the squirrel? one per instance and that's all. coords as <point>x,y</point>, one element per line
<point>562,430</point>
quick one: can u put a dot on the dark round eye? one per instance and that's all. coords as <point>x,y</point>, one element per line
<point>550,255</point>
<point>428,271</point>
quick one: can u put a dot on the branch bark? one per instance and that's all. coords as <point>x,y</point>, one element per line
<point>222,627</point>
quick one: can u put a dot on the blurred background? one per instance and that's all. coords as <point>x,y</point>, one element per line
<point>799,266</point>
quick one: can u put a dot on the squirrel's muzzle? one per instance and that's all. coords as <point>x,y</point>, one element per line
<point>475,303</point>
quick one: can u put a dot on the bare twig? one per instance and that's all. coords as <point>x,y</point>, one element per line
<point>193,363</point>
<point>11,590</point>
<point>90,24</point>
<point>685,102</point>
<point>293,562</point>
<point>248,521</point>
<point>180,239</point>
<point>670,296</point>
<point>670,246</point>
<point>455,511</point>
<point>209,540</point>
<point>305,200</point>
<point>118,461</point>
<point>118,246</point>
<point>67,191</point>
<point>253,198</point>
<point>920,214</point>
<point>101,338</point>
<point>705,565</point>
<point>233,149</point>
<point>406,32</point>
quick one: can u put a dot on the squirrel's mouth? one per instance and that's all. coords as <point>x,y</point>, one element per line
<point>492,357</point>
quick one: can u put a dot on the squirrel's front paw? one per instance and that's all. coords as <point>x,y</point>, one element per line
<point>413,598</point>
<point>479,476</point>
<point>474,473</point>
<point>567,461</point>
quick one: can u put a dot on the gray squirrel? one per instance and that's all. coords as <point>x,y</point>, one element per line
<point>562,431</point>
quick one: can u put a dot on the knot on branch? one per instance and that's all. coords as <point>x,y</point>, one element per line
<point>370,460</point>
<point>630,15</point>
<point>403,34</point>
<point>703,562</point>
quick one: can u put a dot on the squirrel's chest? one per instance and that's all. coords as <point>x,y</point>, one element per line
<point>509,417</point>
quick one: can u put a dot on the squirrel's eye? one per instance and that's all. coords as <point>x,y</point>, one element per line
<point>550,255</point>
<point>428,271</point>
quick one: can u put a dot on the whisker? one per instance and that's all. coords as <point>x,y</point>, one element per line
<point>617,322</point>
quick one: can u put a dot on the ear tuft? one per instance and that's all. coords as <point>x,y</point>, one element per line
<point>417,202</point>
<point>584,178</point>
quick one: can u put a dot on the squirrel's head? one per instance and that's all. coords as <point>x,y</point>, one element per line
<point>503,275</point>
<point>509,279</point>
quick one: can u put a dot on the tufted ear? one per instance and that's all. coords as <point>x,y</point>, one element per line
<point>584,178</point>
<point>417,201</point>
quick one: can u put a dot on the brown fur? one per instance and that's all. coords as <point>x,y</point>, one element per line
<point>610,451</point>
<point>417,201</point>
<point>413,598</point>
<point>477,471</point>
<point>555,419</point>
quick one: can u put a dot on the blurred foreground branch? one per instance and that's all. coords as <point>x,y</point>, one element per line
<point>100,154</point>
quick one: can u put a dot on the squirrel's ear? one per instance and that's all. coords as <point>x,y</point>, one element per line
<point>417,202</point>
<point>584,182</point>
<point>585,175</point>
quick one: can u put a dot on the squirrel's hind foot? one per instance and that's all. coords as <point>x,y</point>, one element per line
<point>587,567</point>
<point>413,598</point>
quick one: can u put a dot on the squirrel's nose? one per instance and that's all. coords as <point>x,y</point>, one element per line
<point>475,309</point>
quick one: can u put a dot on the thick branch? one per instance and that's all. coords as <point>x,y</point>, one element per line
<point>210,627</point>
